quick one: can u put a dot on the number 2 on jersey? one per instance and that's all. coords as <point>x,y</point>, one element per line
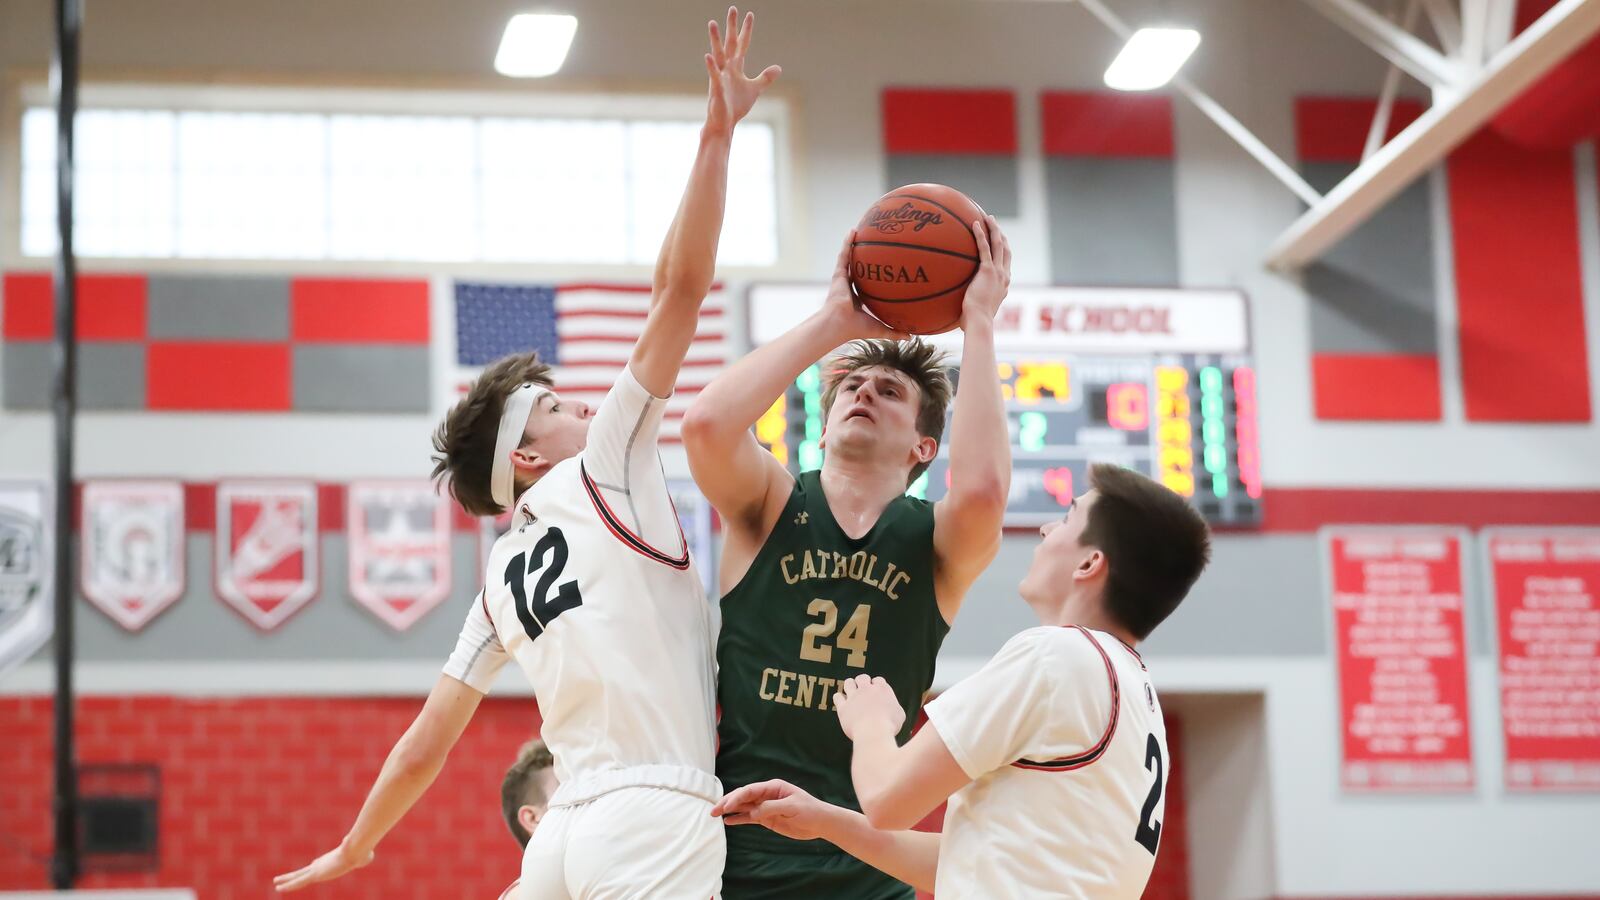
<point>853,638</point>
<point>537,615</point>
<point>1149,835</point>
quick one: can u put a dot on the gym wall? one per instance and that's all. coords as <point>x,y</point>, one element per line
<point>1248,661</point>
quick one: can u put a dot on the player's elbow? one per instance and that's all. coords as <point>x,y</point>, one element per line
<point>683,283</point>
<point>702,429</point>
<point>420,754</point>
<point>981,494</point>
<point>885,814</point>
<point>884,810</point>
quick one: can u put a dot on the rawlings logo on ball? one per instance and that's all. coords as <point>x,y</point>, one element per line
<point>894,221</point>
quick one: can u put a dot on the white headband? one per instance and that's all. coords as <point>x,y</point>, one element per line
<point>513,422</point>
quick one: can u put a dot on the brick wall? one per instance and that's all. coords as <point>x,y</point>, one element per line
<point>253,787</point>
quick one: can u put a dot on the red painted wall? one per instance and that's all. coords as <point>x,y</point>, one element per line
<point>254,787</point>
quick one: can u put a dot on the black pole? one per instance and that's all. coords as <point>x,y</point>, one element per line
<point>64,85</point>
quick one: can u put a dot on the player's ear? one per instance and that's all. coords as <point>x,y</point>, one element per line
<point>528,817</point>
<point>529,463</point>
<point>927,448</point>
<point>1093,566</point>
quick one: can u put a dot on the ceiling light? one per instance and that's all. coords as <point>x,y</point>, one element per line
<point>535,45</point>
<point>1150,58</point>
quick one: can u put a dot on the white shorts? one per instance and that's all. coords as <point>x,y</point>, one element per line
<point>628,843</point>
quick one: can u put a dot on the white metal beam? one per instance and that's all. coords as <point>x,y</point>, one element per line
<point>1546,42</point>
<point>1446,24</point>
<point>1497,30</point>
<point>1379,129</point>
<point>1394,43</point>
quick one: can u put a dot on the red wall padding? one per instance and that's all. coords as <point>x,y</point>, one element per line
<point>258,786</point>
<point>1106,124</point>
<point>949,120</point>
<point>1519,283</point>
<point>1334,129</point>
<point>1376,386</point>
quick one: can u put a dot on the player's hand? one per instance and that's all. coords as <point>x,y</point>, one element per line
<point>732,92</point>
<point>843,308</point>
<point>868,706</point>
<point>336,862</point>
<point>993,279</point>
<point>778,805</point>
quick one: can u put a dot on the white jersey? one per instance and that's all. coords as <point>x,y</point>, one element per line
<point>593,594</point>
<point>1062,735</point>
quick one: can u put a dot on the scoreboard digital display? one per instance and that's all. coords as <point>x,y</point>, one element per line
<point>1176,403</point>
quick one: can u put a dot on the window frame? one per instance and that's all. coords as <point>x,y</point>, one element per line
<point>332,97</point>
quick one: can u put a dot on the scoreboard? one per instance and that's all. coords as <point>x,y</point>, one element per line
<point>1160,381</point>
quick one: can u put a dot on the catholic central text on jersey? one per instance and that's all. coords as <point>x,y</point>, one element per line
<point>833,566</point>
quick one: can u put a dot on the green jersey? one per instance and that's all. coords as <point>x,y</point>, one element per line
<point>815,608</point>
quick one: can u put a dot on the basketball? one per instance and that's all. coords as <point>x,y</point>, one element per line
<point>914,255</point>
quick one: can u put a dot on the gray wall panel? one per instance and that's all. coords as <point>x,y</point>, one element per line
<point>111,375</point>
<point>204,307</point>
<point>25,374</point>
<point>1374,292</point>
<point>1112,221</point>
<point>989,180</point>
<point>372,378</point>
<point>1261,596</point>
<point>333,627</point>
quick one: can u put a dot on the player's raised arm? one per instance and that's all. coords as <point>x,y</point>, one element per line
<point>967,520</point>
<point>730,467</point>
<point>688,261</point>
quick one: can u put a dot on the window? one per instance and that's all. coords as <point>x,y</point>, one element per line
<point>280,184</point>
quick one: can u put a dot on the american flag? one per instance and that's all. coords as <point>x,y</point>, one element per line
<point>586,331</point>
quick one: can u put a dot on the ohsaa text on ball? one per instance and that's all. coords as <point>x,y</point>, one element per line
<point>882,272</point>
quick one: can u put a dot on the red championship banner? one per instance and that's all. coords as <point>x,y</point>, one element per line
<point>266,548</point>
<point>133,548</point>
<point>1398,630</point>
<point>399,549</point>
<point>1546,587</point>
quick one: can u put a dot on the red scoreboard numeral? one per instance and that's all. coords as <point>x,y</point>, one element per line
<point>1128,406</point>
<point>1058,482</point>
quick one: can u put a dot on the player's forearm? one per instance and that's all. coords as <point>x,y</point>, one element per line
<point>405,776</point>
<point>688,258</point>
<point>980,447</point>
<point>910,856</point>
<point>875,769</point>
<point>685,269</point>
<point>735,399</point>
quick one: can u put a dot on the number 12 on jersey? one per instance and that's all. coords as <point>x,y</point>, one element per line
<point>537,613</point>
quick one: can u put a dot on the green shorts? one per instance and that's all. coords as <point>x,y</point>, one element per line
<point>755,875</point>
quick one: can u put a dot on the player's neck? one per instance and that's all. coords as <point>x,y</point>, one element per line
<point>858,492</point>
<point>1076,611</point>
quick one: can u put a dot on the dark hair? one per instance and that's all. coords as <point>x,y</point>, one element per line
<point>464,441</point>
<point>1155,543</point>
<point>521,786</point>
<point>919,360</point>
